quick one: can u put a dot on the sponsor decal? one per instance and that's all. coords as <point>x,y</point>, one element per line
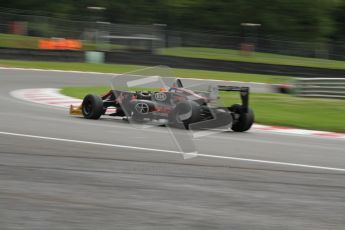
<point>160,96</point>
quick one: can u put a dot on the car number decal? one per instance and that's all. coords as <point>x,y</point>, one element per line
<point>160,96</point>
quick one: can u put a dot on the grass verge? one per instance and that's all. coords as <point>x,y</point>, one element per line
<point>272,109</point>
<point>18,41</point>
<point>256,57</point>
<point>121,68</point>
<point>29,42</point>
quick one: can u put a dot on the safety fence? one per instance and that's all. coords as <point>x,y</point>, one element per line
<point>97,34</point>
<point>320,87</point>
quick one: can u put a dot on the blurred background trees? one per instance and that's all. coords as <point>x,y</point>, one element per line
<point>303,20</point>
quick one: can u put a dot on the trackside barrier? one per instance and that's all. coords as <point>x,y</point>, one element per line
<point>140,58</point>
<point>320,87</point>
<point>59,44</point>
<point>42,55</point>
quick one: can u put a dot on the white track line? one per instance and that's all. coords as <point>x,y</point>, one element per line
<point>116,74</point>
<point>175,152</point>
<point>56,70</point>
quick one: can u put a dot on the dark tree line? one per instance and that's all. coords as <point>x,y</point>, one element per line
<point>306,20</point>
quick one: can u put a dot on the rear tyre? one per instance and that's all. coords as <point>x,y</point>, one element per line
<point>244,122</point>
<point>92,107</point>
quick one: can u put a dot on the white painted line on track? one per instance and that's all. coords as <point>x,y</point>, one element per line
<point>116,74</point>
<point>176,152</point>
<point>56,70</point>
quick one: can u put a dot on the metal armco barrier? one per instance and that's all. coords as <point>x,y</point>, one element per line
<point>221,65</point>
<point>42,55</point>
<point>139,58</point>
<point>320,87</point>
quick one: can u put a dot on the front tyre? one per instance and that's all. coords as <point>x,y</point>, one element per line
<point>92,107</point>
<point>244,122</point>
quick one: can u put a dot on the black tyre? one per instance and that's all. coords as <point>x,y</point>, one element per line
<point>185,113</point>
<point>92,107</point>
<point>244,122</point>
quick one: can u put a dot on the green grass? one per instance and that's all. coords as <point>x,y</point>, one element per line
<point>256,57</point>
<point>18,41</point>
<point>120,68</point>
<point>80,92</point>
<point>306,113</point>
<point>272,109</point>
<point>21,41</point>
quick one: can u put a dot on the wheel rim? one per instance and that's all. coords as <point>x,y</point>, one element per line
<point>142,108</point>
<point>87,108</point>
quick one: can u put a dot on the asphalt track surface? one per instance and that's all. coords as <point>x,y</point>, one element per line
<point>98,174</point>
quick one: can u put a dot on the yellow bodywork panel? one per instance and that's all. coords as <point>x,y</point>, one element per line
<point>75,110</point>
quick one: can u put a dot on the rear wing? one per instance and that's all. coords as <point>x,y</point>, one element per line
<point>244,92</point>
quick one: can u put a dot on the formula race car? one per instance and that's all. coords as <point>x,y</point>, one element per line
<point>177,106</point>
